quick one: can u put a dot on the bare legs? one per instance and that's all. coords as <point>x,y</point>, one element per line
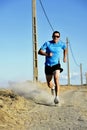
<point>49,81</point>
<point>56,81</point>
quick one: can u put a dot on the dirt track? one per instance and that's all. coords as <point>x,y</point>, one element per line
<point>70,114</point>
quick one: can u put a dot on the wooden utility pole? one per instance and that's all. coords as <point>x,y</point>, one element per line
<point>68,67</point>
<point>81,74</point>
<point>34,39</point>
<point>86,77</point>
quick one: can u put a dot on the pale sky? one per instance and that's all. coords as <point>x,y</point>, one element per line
<point>16,53</point>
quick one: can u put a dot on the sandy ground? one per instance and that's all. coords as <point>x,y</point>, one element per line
<point>34,108</point>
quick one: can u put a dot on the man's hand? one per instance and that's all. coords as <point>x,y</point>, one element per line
<point>50,54</point>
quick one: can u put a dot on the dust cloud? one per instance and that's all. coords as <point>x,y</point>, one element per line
<point>31,91</point>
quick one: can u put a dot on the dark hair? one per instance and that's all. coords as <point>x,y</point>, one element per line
<point>55,32</point>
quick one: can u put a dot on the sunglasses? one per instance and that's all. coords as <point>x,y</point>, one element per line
<point>56,36</point>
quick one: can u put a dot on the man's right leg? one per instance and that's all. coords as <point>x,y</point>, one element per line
<point>50,83</point>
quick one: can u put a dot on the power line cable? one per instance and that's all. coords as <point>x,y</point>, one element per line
<point>73,56</point>
<point>46,15</point>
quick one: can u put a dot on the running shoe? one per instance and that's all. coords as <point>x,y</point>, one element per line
<point>56,100</point>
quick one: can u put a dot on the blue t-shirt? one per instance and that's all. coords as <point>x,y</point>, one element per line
<point>55,49</point>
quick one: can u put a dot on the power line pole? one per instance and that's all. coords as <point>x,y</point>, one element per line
<point>81,74</point>
<point>34,39</point>
<point>68,67</point>
<point>86,77</point>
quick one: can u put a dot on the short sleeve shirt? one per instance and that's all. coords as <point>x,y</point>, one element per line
<point>55,49</point>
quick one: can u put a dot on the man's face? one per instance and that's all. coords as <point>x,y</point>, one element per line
<point>56,37</point>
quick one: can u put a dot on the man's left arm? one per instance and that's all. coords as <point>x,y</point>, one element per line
<point>65,55</point>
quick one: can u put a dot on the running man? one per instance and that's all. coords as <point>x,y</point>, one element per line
<point>52,52</point>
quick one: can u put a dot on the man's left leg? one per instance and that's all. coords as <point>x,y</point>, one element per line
<point>57,85</point>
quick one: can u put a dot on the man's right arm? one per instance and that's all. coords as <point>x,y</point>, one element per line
<point>41,52</point>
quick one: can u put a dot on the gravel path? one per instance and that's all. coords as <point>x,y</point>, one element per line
<point>70,114</point>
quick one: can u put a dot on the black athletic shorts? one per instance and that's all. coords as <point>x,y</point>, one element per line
<point>50,69</point>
